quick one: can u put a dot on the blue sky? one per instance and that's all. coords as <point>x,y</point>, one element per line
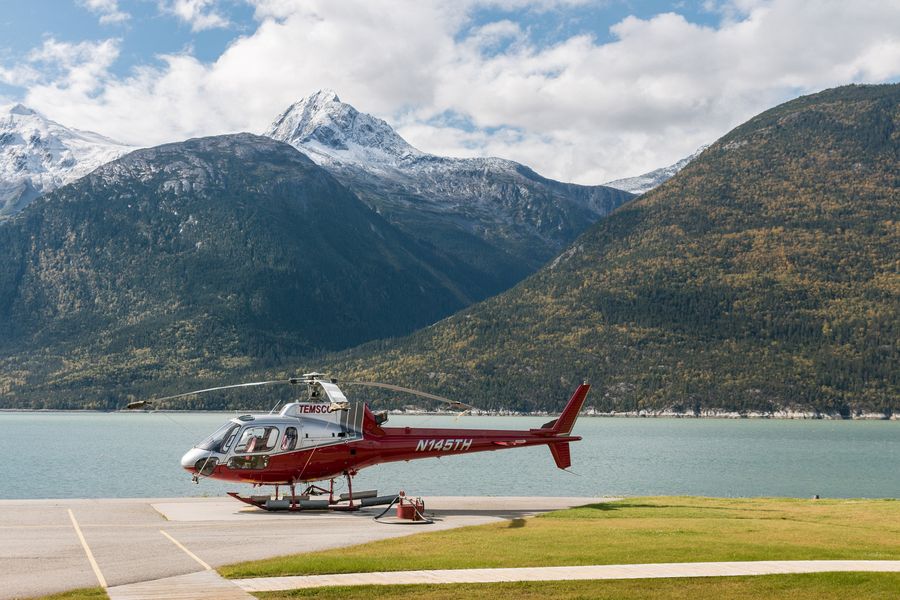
<point>147,32</point>
<point>151,30</point>
<point>580,90</point>
<point>551,26</point>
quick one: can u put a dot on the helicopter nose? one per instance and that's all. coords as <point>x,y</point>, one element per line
<point>190,458</point>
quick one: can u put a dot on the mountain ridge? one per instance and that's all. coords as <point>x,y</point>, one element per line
<point>641,184</point>
<point>491,214</point>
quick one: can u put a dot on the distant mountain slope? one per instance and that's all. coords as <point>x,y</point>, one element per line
<point>763,276</point>
<point>38,155</point>
<point>494,215</point>
<point>198,260</point>
<point>641,184</point>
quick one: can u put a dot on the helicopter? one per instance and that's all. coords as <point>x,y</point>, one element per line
<point>328,437</point>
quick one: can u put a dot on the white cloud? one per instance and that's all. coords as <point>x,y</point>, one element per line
<point>579,110</point>
<point>19,75</point>
<point>199,14</point>
<point>75,70</point>
<point>108,10</point>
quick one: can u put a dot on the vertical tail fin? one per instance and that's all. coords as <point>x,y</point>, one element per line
<point>563,424</point>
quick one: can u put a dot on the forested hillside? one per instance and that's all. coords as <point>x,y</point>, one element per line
<point>765,275</point>
<point>191,262</point>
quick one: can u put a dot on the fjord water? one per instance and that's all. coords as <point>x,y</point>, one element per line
<point>94,455</point>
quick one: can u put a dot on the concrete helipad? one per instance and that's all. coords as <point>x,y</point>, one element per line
<point>55,545</point>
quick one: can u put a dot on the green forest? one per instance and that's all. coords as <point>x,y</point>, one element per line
<point>765,276</point>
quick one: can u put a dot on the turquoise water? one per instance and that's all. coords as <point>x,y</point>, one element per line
<point>92,455</point>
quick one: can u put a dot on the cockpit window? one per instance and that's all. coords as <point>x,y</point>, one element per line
<point>290,439</point>
<point>229,439</point>
<point>224,434</point>
<point>257,439</point>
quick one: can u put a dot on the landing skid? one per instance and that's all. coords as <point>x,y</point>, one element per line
<point>294,502</point>
<point>301,503</point>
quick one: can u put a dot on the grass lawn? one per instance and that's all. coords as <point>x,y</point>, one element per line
<point>815,586</point>
<point>637,530</point>
<point>96,593</point>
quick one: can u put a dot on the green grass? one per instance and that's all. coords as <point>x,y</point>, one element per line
<point>816,586</point>
<point>637,530</point>
<point>95,593</point>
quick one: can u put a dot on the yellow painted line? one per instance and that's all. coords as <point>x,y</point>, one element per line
<point>87,550</point>
<point>186,551</point>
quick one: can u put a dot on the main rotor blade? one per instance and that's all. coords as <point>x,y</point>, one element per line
<point>142,403</point>
<point>398,388</point>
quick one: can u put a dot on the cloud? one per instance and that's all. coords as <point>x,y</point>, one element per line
<point>75,71</point>
<point>199,14</point>
<point>19,75</point>
<point>578,110</point>
<point>107,9</point>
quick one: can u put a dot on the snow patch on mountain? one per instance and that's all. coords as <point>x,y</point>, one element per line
<point>38,155</point>
<point>646,182</point>
<point>334,133</point>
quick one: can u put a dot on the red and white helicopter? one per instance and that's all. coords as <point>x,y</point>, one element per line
<point>329,436</point>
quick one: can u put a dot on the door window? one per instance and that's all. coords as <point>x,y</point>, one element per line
<point>253,463</point>
<point>290,439</point>
<point>257,439</point>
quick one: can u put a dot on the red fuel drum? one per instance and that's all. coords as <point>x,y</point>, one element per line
<point>411,510</point>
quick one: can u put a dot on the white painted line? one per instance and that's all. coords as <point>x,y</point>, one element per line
<point>186,551</point>
<point>87,550</point>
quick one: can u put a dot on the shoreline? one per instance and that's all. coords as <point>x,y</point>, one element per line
<point>779,415</point>
<point>785,415</point>
<point>223,499</point>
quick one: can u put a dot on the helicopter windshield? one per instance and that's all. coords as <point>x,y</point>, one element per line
<point>223,434</point>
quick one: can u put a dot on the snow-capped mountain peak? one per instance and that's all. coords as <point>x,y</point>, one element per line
<point>38,155</point>
<point>332,131</point>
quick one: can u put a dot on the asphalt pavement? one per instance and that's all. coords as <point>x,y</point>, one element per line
<point>48,546</point>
